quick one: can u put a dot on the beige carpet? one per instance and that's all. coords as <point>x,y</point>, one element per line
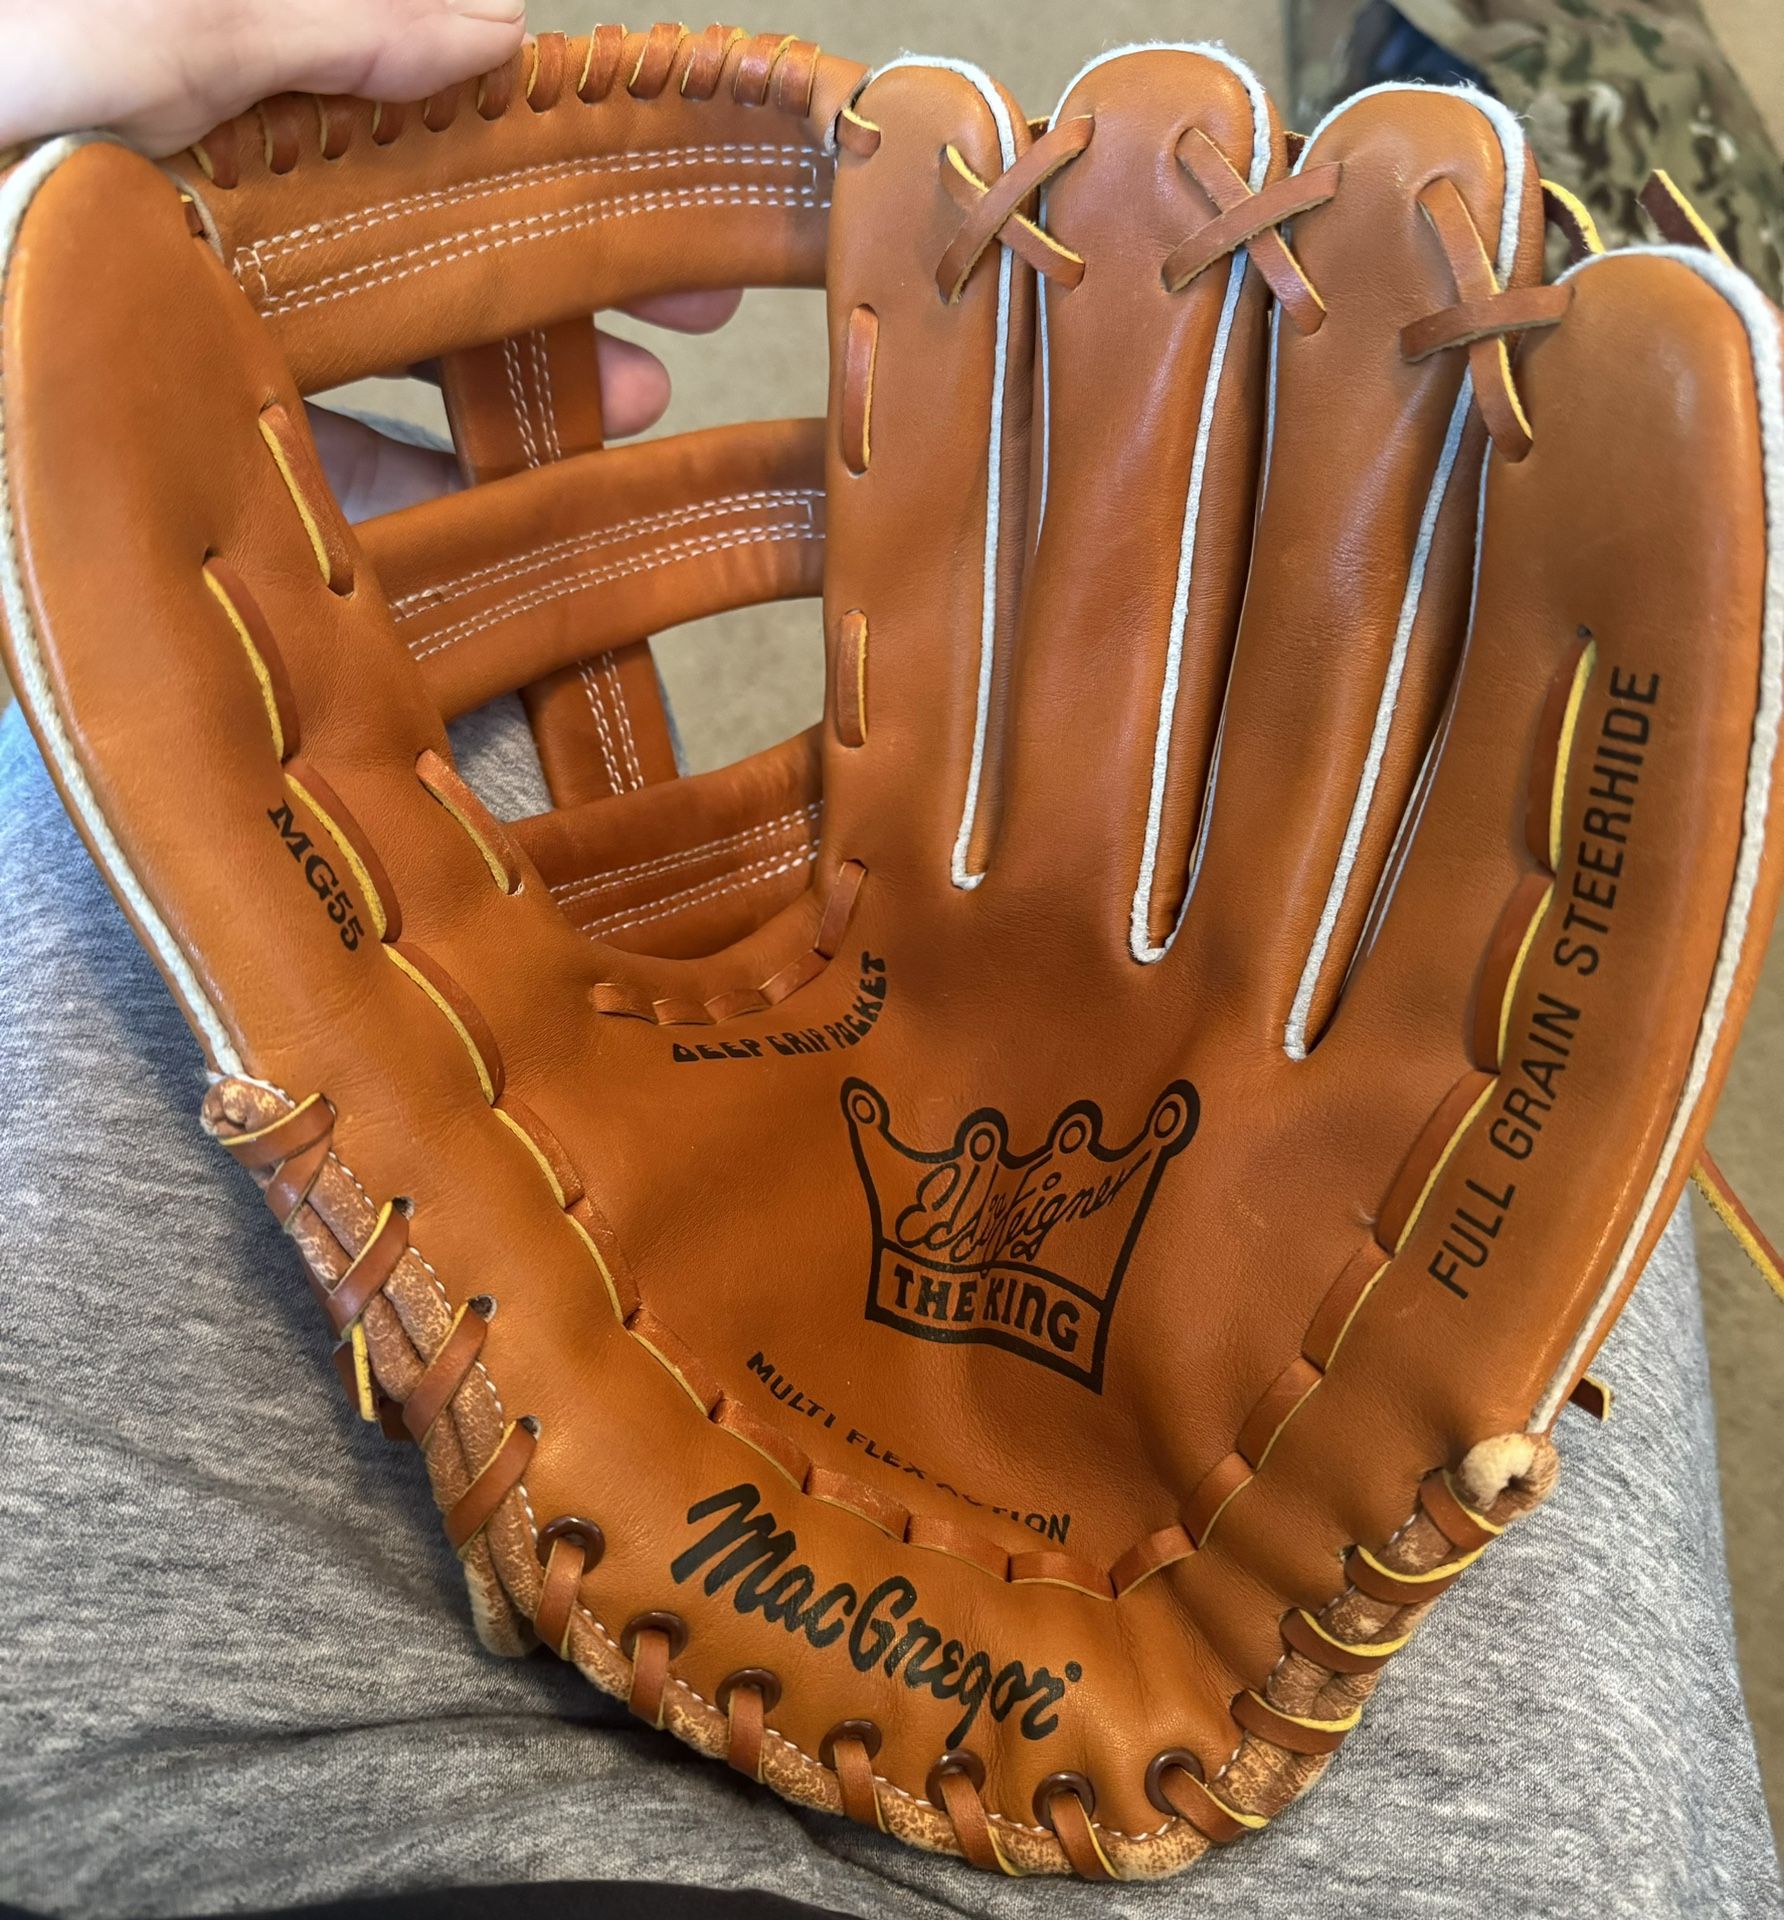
<point>758,676</point>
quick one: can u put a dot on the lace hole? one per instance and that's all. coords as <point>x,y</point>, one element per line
<point>585,1533</point>
<point>670,1625</point>
<point>956,1760</point>
<point>757,1680</point>
<point>867,1732</point>
<point>1161,1765</point>
<point>1057,1783</point>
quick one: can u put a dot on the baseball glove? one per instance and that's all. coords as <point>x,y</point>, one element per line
<point>987,1264</point>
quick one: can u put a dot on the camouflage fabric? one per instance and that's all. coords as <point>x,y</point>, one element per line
<point>1613,89</point>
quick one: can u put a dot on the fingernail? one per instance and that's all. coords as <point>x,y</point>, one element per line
<point>501,13</point>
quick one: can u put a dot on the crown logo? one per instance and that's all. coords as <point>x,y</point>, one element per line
<point>1023,1251</point>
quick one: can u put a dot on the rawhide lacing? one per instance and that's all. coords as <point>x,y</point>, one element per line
<point>1331,1660</point>
<point>549,71</point>
<point>800,970</point>
<point>1567,214</point>
<point>292,1153</point>
<point>996,210</point>
<point>1253,221</point>
<point>1674,219</point>
<point>1483,319</point>
<point>1285,1728</point>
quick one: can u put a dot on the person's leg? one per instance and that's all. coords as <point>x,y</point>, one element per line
<point>241,1669</point>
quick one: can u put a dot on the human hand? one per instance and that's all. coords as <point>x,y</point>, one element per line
<point>162,73</point>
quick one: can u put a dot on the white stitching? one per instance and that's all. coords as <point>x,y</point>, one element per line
<point>601,576</point>
<point>671,904</point>
<point>554,449</point>
<point>600,704</point>
<point>511,366</point>
<point>796,828</point>
<point>641,161</point>
<point>609,673</point>
<point>579,582</point>
<point>529,385</point>
<point>590,693</point>
<point>532,226</point>
<point>567,891</point>
<point>438,593</point>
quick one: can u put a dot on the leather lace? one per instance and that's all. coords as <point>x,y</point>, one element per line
<point>993,210</point>
<point>1483,319</point>
<point>1252,220</point>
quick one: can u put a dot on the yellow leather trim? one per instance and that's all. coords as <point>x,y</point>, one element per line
<point>1443,1159</point>
<point>1743,1236</point>
<point>458,1026</point>
<point>1054,246</point>
<point>1350,1318</point>
<point>1468,1506</point>
<point>311,529</point>
<point>1214,1517</point>
<point>254,659</point>
<point>601,1267</point>
<point>285,1119</point>
<point>384,1213</point>
<point>1447,1571</point>
<point>532,1146</point>
<point>476,839</point>
<point>1517,967</point>
<point>1252,1822</point>
<point>421,1439</point>
<point>1570,721</point>
<point>1695,220</point>
<point>367,889</point>
<point>1581,215</point>
<point>1269,1446</point>
<point>1347,1724</point>
<point>1374,1650</point>
<point>737,1433</point>
<point>364,1388</point>
<point>861,655</point>
<point>1511,388</point>
<point>680,1379</point>
<point>1109,1866</point>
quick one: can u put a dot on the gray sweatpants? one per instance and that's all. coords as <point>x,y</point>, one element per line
<point>236,1665</point>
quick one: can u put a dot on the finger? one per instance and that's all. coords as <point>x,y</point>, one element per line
<point>173,69</point>
<point>927,500</point>
<point>634,387</point>
<point>1134,595</point>
<point>698,312</point>
<point>1359,580</point>
<point>1607,851</point>
<point>371,473</point>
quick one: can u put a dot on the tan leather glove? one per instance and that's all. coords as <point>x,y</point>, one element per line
<point>995,1314</point>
